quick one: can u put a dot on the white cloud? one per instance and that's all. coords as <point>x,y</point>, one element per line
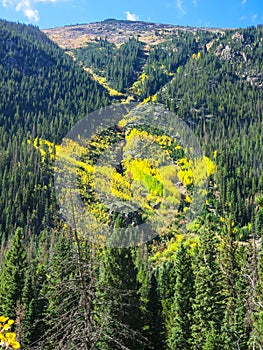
<point>31,14</point>
<point>179,5</point>
<point>243,2</point>
<point>195,3</point>
<point>26,6</point>
<point>131,16</point>
<point>254,17</point>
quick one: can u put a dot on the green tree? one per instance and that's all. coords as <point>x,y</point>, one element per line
<point>69,292</point>
<point>166,278</point>
<point>156,332</point>
<point>212,339</point>
<point>30,310</point>
<point>13,275</point>
<point>233,259</point>
<point>119,296</point>
<point>179,336</point>
<point>208,303</point>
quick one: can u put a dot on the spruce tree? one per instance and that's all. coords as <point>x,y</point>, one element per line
<point>166,278</point>
<point>13,275</point>
<point>256,339</point>
<point>212,341</point>
<point>235,329</point>
<point>242,324</point>
<point>208,303</point>
<point>182,312</point>
<point>156,331</point>
<point>150,301</point>
<point>69,291</point>
<point>120,299</point>
<point>29,306</point>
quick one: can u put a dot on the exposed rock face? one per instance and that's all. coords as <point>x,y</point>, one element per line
<point>219,49</point>
<point>238,36</point>
<point>226,52</point>
<point>70,37</point>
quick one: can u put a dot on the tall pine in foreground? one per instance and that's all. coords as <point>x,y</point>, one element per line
<point>69,291</point>
<point>156,333</point>
<point>233,260</point>
<point>208,303</point>
<point>13,276</point>
<point>59,294</point>
<point>120,299</point>
<point>30,310</point>
<point>166,277</point>
<point>150,300</point>
<point>256,340</point>
<point>182,311</point>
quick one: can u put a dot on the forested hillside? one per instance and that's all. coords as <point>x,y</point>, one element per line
<point>42,96</point>
<point>198,284</point>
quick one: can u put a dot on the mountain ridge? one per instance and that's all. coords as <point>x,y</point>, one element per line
<point>118,32</point>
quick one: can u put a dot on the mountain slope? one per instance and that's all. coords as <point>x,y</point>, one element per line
<point>42,83</point>
<point>104,49</point>
<point>42,94</point>
<point>212,78</point>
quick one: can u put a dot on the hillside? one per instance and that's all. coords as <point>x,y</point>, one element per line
<point>67,278</point>
<point>161,50</point>
<point>204,75</point>
<point>42,95</point>
<point>117,32</point>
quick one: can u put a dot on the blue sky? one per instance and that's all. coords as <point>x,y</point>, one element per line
<point>209,13</point>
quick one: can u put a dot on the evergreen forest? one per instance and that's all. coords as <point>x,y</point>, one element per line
<point>195,285</point>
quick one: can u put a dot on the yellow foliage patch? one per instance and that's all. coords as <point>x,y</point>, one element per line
<point>44,146</point>
<point>151,182</point>
<point>7,338</point>
<point>189,240</point>
<point>196,56</point>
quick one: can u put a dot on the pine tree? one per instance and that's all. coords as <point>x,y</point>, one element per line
<point>59,292</point>
<point>182,312</point>
<point>259,216</point>
<point>120,299</point>
<point>208,303</point>
<point>13,275</point>
<point>150,300</point>
<point>256,339</point>
<point>69,291</point>
<point>166,278</point>
<point>156,331</point>
<point>212,341</point>
<point>29,306</point>
<point>242,324</point>
<point>235,330</point>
